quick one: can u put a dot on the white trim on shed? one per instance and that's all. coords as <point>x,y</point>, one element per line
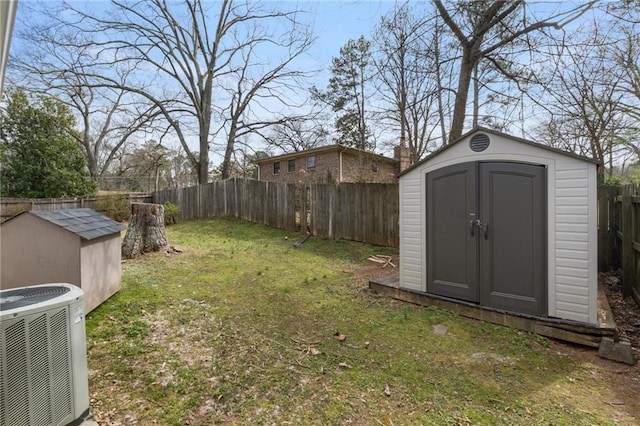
<point>571,219</point>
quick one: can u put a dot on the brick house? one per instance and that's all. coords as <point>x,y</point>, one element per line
<point>329,164</point>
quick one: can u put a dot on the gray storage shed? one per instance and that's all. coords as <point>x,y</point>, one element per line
<point>76,246</point>
<point>505,223</point>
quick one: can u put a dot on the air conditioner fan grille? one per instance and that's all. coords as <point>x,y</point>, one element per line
<point>20,297</point>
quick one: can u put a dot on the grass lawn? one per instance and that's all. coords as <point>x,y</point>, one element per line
<point>241,328</point>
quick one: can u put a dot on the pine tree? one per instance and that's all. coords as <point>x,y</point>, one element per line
<point>346,93</point>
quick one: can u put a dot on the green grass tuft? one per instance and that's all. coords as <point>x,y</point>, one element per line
<point>240,329</point>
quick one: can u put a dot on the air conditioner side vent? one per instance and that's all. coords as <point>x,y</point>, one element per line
<point>43,368</point>
<point>3,415</point>
<point>18,389</point>
<point>40,371</point>
<point>60,366</point>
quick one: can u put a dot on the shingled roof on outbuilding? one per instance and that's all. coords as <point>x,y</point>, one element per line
<point>75,246</point>
<point>86,223</point>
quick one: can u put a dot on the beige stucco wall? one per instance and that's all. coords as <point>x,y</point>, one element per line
<point>101,274</point>
<point>33,251</point>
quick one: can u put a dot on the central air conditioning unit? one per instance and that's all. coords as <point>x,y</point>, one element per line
<point>43,356</point>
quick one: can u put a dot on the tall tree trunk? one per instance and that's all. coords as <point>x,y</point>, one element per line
<point>436,52</point>
<point>228,152</point>
<point>146,230</point>
<point>476,96</point>
<point>462,94</point>
<point>203,160</point>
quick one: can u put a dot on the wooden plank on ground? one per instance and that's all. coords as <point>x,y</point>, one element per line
<point>570,331</point>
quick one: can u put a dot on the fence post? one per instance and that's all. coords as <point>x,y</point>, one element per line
<point>201,201</point>
<point>604,252</point>
<point>607,228</point>
<point>627,245</point>
<point>302,188</point>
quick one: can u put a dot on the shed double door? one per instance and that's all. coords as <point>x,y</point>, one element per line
<point>486,228</point>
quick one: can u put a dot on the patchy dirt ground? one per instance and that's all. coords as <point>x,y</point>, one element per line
<point>625,311</point>
<point>622,379</point>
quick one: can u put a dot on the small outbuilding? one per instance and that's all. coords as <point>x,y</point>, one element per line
<point>504,223</point>
<point>76,246</point>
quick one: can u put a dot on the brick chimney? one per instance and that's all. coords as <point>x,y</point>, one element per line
<point>401,154</point>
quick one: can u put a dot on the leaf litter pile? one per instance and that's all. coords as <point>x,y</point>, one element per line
<point>242,328</point>
<point>625,310</point>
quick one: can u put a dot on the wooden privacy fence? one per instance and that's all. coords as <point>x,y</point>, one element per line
<point>267,203</point>
<point>10,207</point>
<point>619,234</point>
<point>364,212</point>
<point>367,212</point>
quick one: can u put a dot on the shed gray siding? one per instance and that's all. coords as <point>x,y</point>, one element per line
<point>571,221</point>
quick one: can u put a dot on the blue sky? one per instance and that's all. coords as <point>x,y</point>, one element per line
<point>339,21</point>
<point>334,24</point>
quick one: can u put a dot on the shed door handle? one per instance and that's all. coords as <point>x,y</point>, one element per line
<point>480,225</point>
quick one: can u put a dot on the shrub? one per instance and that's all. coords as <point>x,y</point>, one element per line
<point>116,206</point>
<point>171,212</point>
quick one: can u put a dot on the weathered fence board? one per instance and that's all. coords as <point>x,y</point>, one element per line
<point>619,235</point>
<point>267,203</point>
<point>358,212</point>
<point>607,222</point>
<point>10,207</point>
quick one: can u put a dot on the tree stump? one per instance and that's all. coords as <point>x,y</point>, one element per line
<point>146,230</point>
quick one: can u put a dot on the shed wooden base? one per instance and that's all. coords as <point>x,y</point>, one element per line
<point>566,330</point>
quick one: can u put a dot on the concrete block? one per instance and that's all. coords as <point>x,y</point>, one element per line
<point>616,351</point>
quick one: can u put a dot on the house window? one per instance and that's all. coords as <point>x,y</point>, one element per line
<point>374,166</point>
<point>311,162</point>
<point>291,166</point>
<point>276,168</point>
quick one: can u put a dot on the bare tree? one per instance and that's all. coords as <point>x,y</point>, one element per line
<point>261,83</point>
<point>298,135</point>
<point>590,86</point>
<point>482,29</point>
<point>51,60</point>
<point>583,98</point>
<point>626,55</point>
<point>406,61</point>
<point>190,54</point>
